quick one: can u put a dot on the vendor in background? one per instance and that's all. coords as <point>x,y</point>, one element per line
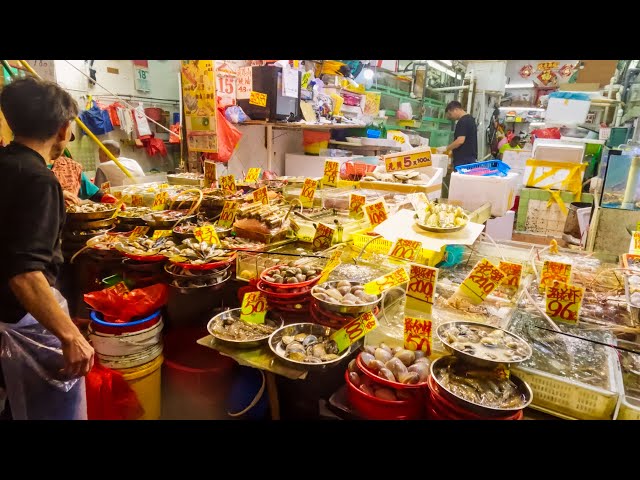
<point>108,171</point>
<point>513,144</point>
<point>76,187</point>
<point>465,137</point>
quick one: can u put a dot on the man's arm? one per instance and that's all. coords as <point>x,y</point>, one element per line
<point>100,177</point>
<point>457,143</point>
<point>34,293</point>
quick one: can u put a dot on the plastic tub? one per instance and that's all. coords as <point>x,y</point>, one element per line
<point>313,141</point>
<point>101,326</point>
<point>122,344</point>
<point>121,362</point>
<point>146,381</point>
<point>374,408</point>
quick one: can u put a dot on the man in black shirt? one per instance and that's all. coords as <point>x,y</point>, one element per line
<point>465,138</point>
<point>40,115</point>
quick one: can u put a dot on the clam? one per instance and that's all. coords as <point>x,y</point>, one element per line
<point>367,358</point>
<point>406,356</point>
<point>334,293</point>
<point>395,350</point>
<point>331,347</point>
<point>309,340</point>
<point>396,366</point>
<point>375,366</point>
<point>343,283</point>
<point>300,337</point>
<point>422,369</point>
<point>370,349</point>
<point>287,339</point>
<point>309,359</point>
<point>385,394</point>
<point>382,355</point>
<point>318,350</point>
<point>353,367</point>
<point>298,356</point>
<point>329,357</point>
<point>349,298</point>
<point>386,374</point>
<point>409,378</point>
<point>385,346</point>
<point>344,290</point>
<point>422,360</point>
<point>354,378</point>
<point>293,347</point>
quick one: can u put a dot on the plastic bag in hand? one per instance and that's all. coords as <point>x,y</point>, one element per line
<point>122,307</point>
<point>109,396</point>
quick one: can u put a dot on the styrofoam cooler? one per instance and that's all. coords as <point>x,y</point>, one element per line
<point>474,191</point>
<point>517,160</point>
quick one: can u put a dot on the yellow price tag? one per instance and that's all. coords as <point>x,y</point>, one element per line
<point>160,201</point>
<point>258,98</point>
<point>210,174</point>
<point>554,271</point>
<point>323,237</point>
<point>406,249</point>
<point>513,274</point>
<point>164,186</point>
<point>308,192</point>
<point>261,195</point>
<point>377,212</point>
<point>417,334</point>
<point>117,194</point>
<point>407,162</point>
<point>254,307</point>
<point>120,288</point>
<point>482,280</point>
<point>138,232</point>
<point>331,171</point>
<point>636,243</point>
<point>228,214</point>
<point>563,302</point>
<point>355,330</point>
<point>333,262</point>
<point>422,283</point>
<point>253,175</point>
<point>207,234</point>
<point>356,203</point>
<point>106,187</point>
<point>380,284</point>
<point>228,184</point>
<point>137,200</point>
<point>161,233</point>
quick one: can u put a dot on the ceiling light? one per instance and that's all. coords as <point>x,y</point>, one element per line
<point>448,63</point>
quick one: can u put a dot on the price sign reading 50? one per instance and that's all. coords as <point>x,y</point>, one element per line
<point>417,334</point>
<point>254,307</point>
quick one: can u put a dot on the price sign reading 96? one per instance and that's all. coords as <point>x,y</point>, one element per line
<point>482,280</point>
<point>422,283</point>
<point>417,334</point>
<point>355,330</point>
<point>254,307</point>
<point>563,302</point>
<point>331,169</point>
<point>377,212</point>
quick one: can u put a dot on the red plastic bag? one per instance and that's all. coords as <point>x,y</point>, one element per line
<point>109,396</point>
<point>228,138</point>
<point>119,307</point>
<point>546,133</point>
<point>174,136</point>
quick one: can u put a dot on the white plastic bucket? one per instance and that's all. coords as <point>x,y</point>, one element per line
<point>130,361</point>
<point>126,343</point>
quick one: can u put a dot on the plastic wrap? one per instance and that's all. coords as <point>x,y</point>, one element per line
<point>32,360</point>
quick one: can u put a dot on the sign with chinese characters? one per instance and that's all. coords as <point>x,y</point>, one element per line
<point>406,249</point>
<point>377,212</point>
<point>228,184</point>
<point>380,284</point>
<point>160,201</point>
<point>244,83</point>
<point>228,214</point>
<point>323,237</point>
<point>161,233</point>
<point>226,72</point>
<point>138,232</point>
<point>513,274</point>
<point>422,283</point>
<point>482,280</point>
<point>200,105</point>
<point>207,234</point>
<point>417,334</point>
<point>258,98</point>
<point>308,192</point>
<point>261,195</point>
<point>254,307</point>
<point>356,203</point>
<point>407,162</point>
<point>253,175</point>
<point>355,330</point>
<point>554,271</point>
<point>331,173</point>
<point>137,200</point>
<point>563,302</point>
<point>635,242</point>
<point>546,74</point>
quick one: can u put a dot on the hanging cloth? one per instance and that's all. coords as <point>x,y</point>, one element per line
<point>96,120</point>
<point>141,121</point>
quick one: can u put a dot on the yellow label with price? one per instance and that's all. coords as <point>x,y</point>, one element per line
<point>482,280</point>
<point>228,184</point>
<point>356,202</point>
<point>207,234</point>
<point>160,201</point>
<point>417,334</point>
<point>377,212</point>
<point>563,302</point>
<point>308,192</point>
<point>253,175</point>
<point>228,214</point>
<point>552,271</point>
<point>261,195</point>
<point>512,274</point>
<point>323,237</point>
<point>331,173</point>
<point>258,98</point>
<point>422,283</point>
<point>406,249</point>
<point>161,233</point>
<point>254,307</point>
<point>137,200</point>
<point>355,330</point>
<point>407,162</point>
<point>380,284</point>
<point>138,232</point>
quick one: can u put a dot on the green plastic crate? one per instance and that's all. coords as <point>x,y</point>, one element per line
<point>440,138</point>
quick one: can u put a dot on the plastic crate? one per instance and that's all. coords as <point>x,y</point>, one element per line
<point>382,245</point>
<point>627,411</point>
<point>490,168</point>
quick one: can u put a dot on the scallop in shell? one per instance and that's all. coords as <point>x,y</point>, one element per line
<point>382,355</point>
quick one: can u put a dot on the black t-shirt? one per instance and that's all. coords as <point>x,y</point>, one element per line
<point>468,151</point>
<point>32,215</point>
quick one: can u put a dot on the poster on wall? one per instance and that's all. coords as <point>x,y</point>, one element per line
<point>226,73</point>
<point>199,100</point>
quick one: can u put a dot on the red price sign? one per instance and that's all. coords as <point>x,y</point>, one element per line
<point>417,334</point>
<point>355,330</point>
<point>261,195</point>
<point>331,169</point>
<point>138,232</point>
<point>422,283</point>
<point>552,271</point>
<point>254,307</point>
<point>160,201</point>
<point>512,274</point>
<point>120,288</point>
<point>308,192</point>
<point>482,280</point>
<point>228,184</point>
<point>258,98</point>
<point>355,204</point>
<point>137,200</point>
<point>406,249</point>
<point>210,175</point>
<point>323,237</point>
<point>106,187</point>
<point>380,284</point>
<point>377,212</point>
<point>563,302</point>
<point>252,175</point>
<point>207,234</point>
<point>228,214</point>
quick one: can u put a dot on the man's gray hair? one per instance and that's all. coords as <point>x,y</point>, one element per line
<point>113,146</point>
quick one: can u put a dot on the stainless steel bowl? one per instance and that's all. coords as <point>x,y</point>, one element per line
<point>90,216</point>
<point>523,388</point>
<point>244,344</point>
<point>276,346</point>
<point>477,360</point>
<point>212,288</point>
<point>346,309</point>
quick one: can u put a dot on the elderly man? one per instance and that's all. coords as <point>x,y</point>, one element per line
<point>108,171</point>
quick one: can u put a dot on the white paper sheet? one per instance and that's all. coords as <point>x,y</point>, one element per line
<point>402,225</point>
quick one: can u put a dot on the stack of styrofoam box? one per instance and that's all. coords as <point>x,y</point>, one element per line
<point>517,159</point>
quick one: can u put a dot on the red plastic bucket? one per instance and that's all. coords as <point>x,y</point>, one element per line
<point>195,378</point>
<point>313,141</point>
